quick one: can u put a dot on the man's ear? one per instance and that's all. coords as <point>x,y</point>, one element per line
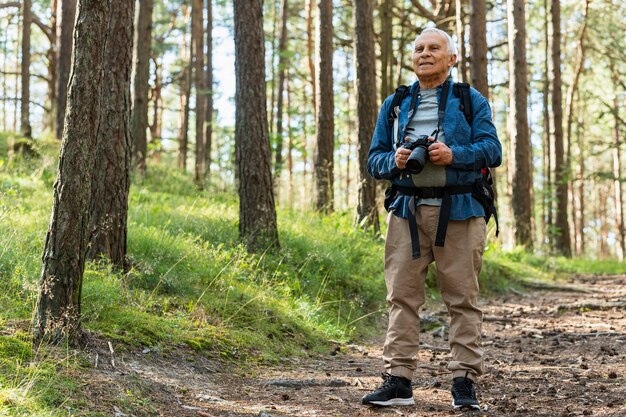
<point>452,61</point>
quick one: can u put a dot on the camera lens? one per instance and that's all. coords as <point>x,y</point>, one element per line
<point>416,161</point>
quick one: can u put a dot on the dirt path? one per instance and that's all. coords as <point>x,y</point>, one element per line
<point>555,351</point>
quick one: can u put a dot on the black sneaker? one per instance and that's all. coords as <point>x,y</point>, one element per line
<point>464,394</point>
<point>395,390</point>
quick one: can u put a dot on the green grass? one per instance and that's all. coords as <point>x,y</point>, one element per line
<point>192,284</point>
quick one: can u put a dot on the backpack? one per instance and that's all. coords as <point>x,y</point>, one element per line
<point>482,190</point>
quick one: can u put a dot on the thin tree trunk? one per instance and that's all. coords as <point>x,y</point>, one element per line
<point>197,37</point>
<point>569,107</point>
<point>310,9</point>
<point>518,124</point>
<point>208,133</point>
<point>366,211</point>
<point>547,176</point>
<point>25,128</point>
<point>562,240</point>
<point>257,212</point>
<point>478,45</point>
<point>155,97</point>
<point>57,315</point>
<point>66,15</point>
<point>50,112</point>
<point>185,93</point>
<point>617,184</point>
<point>290,144</point>
<point>139,115</point>
<point>604,224</point>
<point>272,80</point>
<point>111,179</point>
<point>324,163</point>
<point>580,134</point>
<point>463,56</point>
<point>282,70</point>
<point>386,47</point>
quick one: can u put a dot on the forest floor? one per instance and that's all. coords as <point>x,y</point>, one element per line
<point>555,350</point>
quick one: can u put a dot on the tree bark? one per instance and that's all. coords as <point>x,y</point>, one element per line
<point>139,114</point>
<point>197,25</point>
<point>185,93</point>
<point>257,213</point>
<point>617,184</point>
<point>569,110</point>
<point>208,133</point>
<point>366,211</point>
<point>324,164</point>
<point>562,238</point>
<point>111,179</point>
<point>25,128</point>
<point>57,315</point>
<point>463,56</point>
<point>310,8</point>
<point>548,228</point>
<point>518,124</point>
<point>478,45</point>
<point>66,14</point>
<point>282,71</point>
<point>386,48</point>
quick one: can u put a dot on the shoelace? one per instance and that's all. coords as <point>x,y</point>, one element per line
<point>387,380</point>
<point>464,387</point>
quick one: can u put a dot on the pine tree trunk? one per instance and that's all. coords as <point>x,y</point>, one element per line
<point>478,45</point>
<point>366,210</point>
<point>310,9</point>
<point>604,223</point>
<point>25,128</point>
<point>66,15</point>
<point>157,109</point>
<point>569,108</point>
<point>463,56</point>
<point>49,120</point>
<point>547,139</point>
<point>518,124</point>
<point>324,164</point>
<point>111,179</point>
<point>139,115</point>
<point>57,315</point>
<point>185,93</point>
<point>257,213</point>
<point>562,238</point>
<point>208,133</point>
<point>386,48</point>
<point>282,71</point>
<point>197,25</point>
<point>617,184</point>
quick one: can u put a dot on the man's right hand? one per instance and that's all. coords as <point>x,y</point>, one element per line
<point>402,154</point>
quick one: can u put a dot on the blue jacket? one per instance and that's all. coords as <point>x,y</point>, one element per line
<point>473,148</point>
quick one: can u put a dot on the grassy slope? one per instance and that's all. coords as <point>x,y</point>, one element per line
<point>192,284</point>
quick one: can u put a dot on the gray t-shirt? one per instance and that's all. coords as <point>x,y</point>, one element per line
<point>424,123</point>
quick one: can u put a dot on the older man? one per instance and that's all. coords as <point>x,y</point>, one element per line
<point>454,155</point>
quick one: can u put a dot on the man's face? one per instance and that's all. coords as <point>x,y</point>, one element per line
<point>431,58</point>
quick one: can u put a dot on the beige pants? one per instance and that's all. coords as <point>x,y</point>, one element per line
<point>458,266</point>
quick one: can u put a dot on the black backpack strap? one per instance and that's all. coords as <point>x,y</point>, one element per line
<point>444,211</point>
<point>443,100</point>
<point>462,91</point>
<point>398,96</point>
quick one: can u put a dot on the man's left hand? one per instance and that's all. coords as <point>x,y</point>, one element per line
<point>440,154</point>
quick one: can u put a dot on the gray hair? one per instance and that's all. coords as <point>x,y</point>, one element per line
<point>451,44</point>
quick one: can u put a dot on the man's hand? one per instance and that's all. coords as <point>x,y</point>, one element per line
<point>439,154</point>
<point>402,154</point>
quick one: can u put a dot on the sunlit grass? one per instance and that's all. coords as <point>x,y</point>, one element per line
<point>191,283</point>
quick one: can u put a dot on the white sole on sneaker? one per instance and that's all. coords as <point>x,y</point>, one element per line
<point>394,401</point>
<point>465,407</point>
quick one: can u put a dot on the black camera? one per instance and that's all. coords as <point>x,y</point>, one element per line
<point>419,155</point>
